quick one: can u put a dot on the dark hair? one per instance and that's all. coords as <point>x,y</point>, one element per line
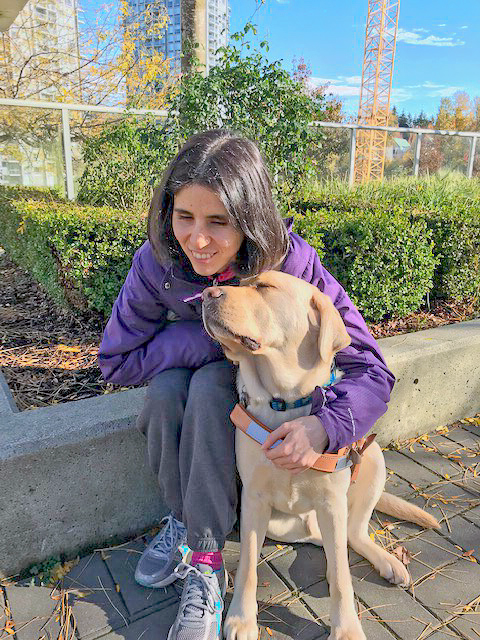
<point>233,168</point>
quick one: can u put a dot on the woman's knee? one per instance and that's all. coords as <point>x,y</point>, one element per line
<point>213,379</point>
<point>165,399</point>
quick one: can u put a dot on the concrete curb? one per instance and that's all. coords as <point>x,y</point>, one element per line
<point>75,475</point>
<point>7,403</point>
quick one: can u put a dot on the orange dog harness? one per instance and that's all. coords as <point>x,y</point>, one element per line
<point>345,457</point>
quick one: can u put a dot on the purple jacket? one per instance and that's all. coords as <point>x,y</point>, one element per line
<point>152,329</point>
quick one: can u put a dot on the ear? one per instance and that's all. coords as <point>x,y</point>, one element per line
<point>333,335</point>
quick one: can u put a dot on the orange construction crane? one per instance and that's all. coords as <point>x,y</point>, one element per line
<point>374,109</point>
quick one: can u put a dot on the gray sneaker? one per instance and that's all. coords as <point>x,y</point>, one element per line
<point>167,549</point>
<point>200,612</point>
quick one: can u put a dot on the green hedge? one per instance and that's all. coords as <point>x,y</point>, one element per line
<point>385,263</point>
<point>81,255</point>
<point>386,256</point>
<point>450,209</point>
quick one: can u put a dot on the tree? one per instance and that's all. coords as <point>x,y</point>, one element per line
<point>244,92</point>
<point>110,63</point>
<point>113,54</point>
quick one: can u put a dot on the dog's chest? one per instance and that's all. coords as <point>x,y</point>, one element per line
<point>269,484</point>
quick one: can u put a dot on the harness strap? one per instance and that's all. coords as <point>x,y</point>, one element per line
<point>345,457</point>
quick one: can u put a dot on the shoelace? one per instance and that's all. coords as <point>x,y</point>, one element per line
<point>170,536</point>
<point>199,595</point>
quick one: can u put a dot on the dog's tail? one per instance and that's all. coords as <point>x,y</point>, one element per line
<point>403,510</point>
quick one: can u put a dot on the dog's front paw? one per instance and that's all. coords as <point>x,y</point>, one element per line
<point>350,632</point>
<point>394,571</point>
<point>237,627</point>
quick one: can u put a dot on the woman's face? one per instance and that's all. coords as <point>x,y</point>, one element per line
<point>200,224</point>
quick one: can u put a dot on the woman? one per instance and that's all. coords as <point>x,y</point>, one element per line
<point>211,221</point>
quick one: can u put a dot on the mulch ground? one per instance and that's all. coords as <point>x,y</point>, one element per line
<point>48,354</point>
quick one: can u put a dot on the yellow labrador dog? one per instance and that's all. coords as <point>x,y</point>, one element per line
<point>283,332</point>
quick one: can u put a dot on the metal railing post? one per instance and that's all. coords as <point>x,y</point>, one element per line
<point>471,157</point>
<point>353,144</point>
<point>416,158</point>
<point>67,153</point>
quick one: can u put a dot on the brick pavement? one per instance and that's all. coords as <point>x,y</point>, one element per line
<point>99,598</point>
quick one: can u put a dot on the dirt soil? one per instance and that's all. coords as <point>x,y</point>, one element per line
<point>48,354</point>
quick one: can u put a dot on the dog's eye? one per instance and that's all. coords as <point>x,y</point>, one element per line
<point>262,285</point>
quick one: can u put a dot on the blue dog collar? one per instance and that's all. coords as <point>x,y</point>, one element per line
<point>278,404</point>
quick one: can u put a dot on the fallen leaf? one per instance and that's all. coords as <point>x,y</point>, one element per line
<point>403,554</point>
<point>269,631</point>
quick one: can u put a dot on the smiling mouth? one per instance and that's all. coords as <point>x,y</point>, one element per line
<point>198,255</point>
<point>214,326</point>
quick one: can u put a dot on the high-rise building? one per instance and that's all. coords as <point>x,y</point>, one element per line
<point>39,60</point>
<point>40,52</point>
<point>205,22</point>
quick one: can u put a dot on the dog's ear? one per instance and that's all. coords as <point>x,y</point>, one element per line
<point>333,335</point>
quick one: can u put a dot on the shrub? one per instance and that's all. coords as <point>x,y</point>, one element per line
<point>456,237</point>
<point>384,262</point>
<point>123,164</point>
<point>81,255</point>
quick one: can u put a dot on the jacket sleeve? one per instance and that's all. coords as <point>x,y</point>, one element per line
<point>349,408</point>
<point>138,342</point>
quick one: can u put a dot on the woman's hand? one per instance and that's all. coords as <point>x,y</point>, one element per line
<point>303,440</point>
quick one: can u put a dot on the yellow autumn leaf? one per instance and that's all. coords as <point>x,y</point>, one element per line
<point>446,476</point>
<point>269,631</point>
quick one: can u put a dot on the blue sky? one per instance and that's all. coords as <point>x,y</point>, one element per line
<point>438,45</point>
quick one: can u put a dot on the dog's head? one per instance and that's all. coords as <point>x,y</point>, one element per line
<point>276,315</point>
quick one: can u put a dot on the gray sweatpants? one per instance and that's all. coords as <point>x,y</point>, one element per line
<point>191,448</point>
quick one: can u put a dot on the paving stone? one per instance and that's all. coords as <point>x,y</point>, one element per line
<point>374,630</point>
<point>121,562</point>
<point>97,607</point>
<point>301,566</point>
<point>152,627</point>
<point>465,534</point>
<point>433,461</point>
<point>396,485</point>
<point>317,598</point>
<point>289,619</point>
<point>460,454</point>
<point>429,551</point>
<point>473,515</point>
<point>445,500</point>
<point>408,469</point>
<point>465,438</point>
<point>402,614</point>
<point>280,610</point>
<point>443,595</point>
<point>473,428</point>
<point>33,612</point>
<point>468,625</point>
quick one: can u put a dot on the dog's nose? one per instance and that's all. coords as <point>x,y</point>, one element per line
<point>212,292</point>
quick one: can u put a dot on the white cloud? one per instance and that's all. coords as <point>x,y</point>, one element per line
<point>425,85</point>
<point>400,94</point>
<point>444,92</point>
<point>441,25</point>
<point>283,1</point>
<point>409,37</point>
<point>340,86</point>
<point>465,26</point>
<point>421,30</point>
